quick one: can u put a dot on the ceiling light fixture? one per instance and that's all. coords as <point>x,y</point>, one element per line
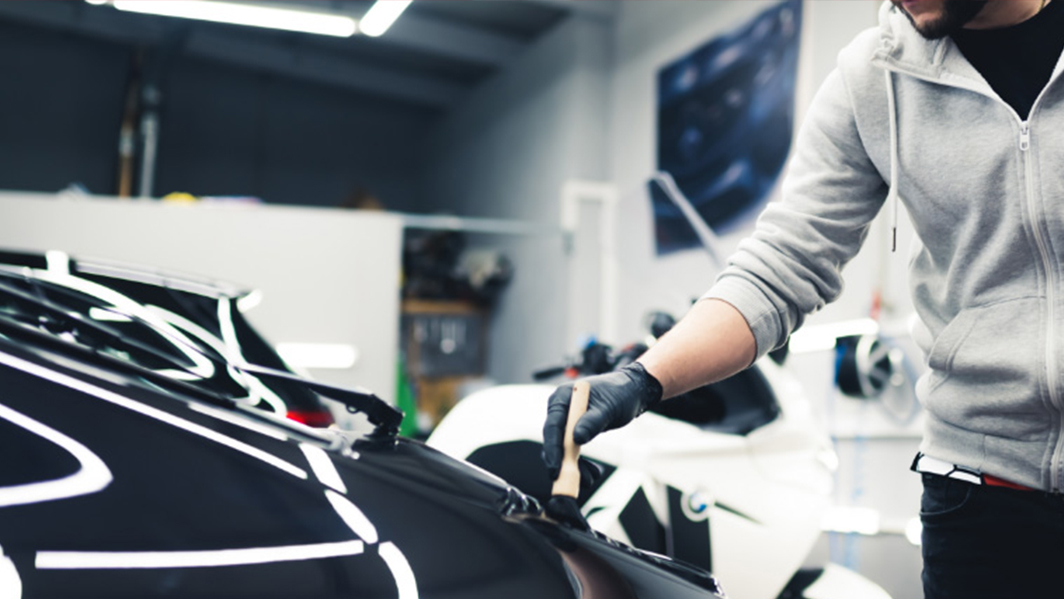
<point>245,14</point>
<point>381,15</point>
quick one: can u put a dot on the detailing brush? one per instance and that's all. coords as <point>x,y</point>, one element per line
<point>562,506</point>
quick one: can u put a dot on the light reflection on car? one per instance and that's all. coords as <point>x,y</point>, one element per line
<point>181,316</point>
<point>122,480</point>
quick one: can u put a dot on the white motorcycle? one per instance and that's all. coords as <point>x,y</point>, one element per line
<point>734,477</point>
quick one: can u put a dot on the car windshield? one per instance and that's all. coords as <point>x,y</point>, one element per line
<point>121,329</point>
<point>218,328</point>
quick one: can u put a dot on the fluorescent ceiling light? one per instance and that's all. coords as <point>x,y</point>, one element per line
<point>246,14</point>
<point>381,15</point>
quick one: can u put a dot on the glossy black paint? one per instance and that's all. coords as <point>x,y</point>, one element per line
<point>193,476</point>
<point>196,300</point>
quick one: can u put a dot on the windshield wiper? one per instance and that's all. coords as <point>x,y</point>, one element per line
<point>383,416</point>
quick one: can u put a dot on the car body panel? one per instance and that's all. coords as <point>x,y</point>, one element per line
<point>183,496</point>
<point>738,488</point>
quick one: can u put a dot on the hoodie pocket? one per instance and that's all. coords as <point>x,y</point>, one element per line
<point>985,368</point>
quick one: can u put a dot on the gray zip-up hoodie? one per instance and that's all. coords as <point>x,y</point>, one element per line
<point>903,117</point>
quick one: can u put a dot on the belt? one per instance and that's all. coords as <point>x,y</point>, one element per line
<point>929,465</point>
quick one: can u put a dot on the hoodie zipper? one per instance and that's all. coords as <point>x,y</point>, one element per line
<point>1052,376</point>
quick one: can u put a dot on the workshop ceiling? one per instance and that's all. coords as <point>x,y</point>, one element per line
<point>434,54</point>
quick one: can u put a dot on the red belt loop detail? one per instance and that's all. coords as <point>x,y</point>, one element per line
<point>993,481</point>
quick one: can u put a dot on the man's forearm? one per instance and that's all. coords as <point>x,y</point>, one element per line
<point>712,342</point>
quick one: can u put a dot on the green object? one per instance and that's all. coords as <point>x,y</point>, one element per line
<point>404,400</point>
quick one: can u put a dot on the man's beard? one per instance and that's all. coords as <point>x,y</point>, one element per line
<point>955,15</point>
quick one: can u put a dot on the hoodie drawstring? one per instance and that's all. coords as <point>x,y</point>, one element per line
<point>892,193</point>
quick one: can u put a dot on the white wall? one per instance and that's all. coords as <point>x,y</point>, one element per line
<point>649,35</point>
<point>504,153</point>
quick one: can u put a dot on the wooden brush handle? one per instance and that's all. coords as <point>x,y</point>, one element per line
<point>568,481</point>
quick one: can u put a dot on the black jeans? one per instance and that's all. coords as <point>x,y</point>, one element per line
<point>983,542</point>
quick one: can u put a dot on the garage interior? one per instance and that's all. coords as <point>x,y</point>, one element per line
<point>448,206</point>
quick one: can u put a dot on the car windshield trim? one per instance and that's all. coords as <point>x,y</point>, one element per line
<point>207,288</point>
<point>18,262</point>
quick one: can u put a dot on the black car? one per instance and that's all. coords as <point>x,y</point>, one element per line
<point>121,480</point>
<point>180,315</point>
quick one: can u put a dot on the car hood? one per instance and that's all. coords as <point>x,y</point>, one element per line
<point>194,498</point>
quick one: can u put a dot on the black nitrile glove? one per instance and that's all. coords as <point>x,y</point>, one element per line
<point>615,399</point>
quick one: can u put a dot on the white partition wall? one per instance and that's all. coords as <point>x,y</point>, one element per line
<point>327,276</point>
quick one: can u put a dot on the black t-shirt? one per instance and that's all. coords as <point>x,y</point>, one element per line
<point>1017,61</point>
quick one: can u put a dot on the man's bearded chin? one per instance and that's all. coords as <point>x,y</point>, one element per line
<point>955,15</point>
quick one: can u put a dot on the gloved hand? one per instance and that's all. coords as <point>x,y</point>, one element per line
<point>615,399</point>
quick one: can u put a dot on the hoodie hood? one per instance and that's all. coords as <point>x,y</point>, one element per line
<point>902,49</point>
<point>902,46</point>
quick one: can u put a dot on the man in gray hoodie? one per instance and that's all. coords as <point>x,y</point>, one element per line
<point>956,108</point>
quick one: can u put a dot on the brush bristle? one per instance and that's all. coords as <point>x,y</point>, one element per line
<point>564,510</point>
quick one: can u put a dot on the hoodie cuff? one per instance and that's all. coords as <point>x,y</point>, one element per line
<point>761,315</point>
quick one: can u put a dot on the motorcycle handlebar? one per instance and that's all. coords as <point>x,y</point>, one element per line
<point>548,372</point>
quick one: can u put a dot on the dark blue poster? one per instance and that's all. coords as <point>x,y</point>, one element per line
<point>725,117</point>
